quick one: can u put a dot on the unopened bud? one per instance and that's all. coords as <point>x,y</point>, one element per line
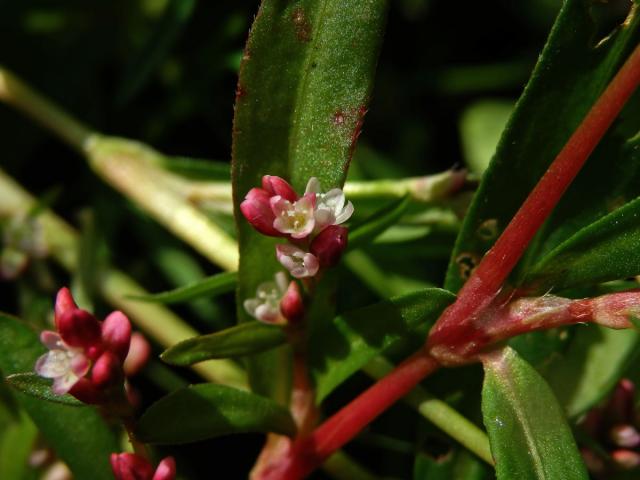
<point>275,185</point>
<point>107,370</point>
<point>625,436</point>
<point>78,328</point>
<point>329,245</point>
<point>138,356</point>
<point>116,334</point>
<point>292,304</point>
<point>257,210</point>
<point>64,303</point>
<point>129,466</point>
<point>626,459</point>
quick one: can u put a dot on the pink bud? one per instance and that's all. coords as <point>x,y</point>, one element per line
<point>274,185</point>
<point>166,469</point>
<point>85,391</point>
<point>257,210</point>
<point>138,356</point>
<point>329,245</point>
<point>292,305</point>
<point>107,370</point>
<point>625,436</point>
<point>64,303</point>
<point>129,466</point>
<point>78,328</point>
<point>626,459</point>
<point>116,334</point>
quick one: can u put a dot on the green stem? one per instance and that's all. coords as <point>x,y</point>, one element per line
<point>439,413</point>
<point>342,467</point>
<point>158,322</point>
<point>15,92</point>
<point>130,167</point>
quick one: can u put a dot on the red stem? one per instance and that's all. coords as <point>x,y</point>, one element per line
<point>487,279</point>
<point>479,291</point>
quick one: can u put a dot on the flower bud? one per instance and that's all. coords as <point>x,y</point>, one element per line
<point>275,185</point>
<point>257,210</point>
<point>626,459</point>
<point>78,328</point>
<point>166,469</point>
<point>85,391</point>
<point>138,356</point>
<point>329,245</point>
<point>128,466</point>
<point>64,303</point>
<point>107,370</point>
<point>292,304</point>
<point>116,334</point>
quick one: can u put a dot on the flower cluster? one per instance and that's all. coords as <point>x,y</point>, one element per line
<point>311,223</point>
<point>276,302</point>
<point>129,466</point>
<point>85,356</point>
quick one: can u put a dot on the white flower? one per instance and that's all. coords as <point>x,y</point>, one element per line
<point>330,206</point>
<point>266,306</point>
<point>294,218</point>
<point>65,364</point>
<point>300,264</point>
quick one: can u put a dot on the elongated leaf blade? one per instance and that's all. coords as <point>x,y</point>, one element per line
<point>305,82</point>
<point>211,286</point>
<point>605,250</point>
<point>36,386</point>
<point>244,339</point>
<point>205,411</point>
<point>347,344</point>
<point>529,435</point>
<point>591,366</point>
<point>548,111</point>
<point>78,435</point>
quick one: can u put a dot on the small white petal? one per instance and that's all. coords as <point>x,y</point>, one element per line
<point>62,385</point>
<point>54,364</point>
<point>313,186</point>
<point>282,282</point>
<point>345,214</point>
<point>334,200</point>
<point>250,305</point>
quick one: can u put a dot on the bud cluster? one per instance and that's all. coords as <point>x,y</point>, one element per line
<point>316,239</point>
<point>85,356</point>
<point>129,466</point>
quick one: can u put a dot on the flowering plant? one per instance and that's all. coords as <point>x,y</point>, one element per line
<point>479,322</point>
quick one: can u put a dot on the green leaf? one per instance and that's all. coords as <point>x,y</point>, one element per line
<point>205,411</point>
<point>211,286</point>
<point>591,366</point>
<point>548,111</point>
<point>529,435</point>
<point>369,229</point>
<point>78,435</point>
<point>341,348</point>
<point>244,339</point>
<point>36,386</point>
<point>605,250</point>
<point>305,81</point>
<point>199,169</point>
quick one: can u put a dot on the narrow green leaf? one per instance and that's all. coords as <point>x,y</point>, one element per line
<point>369,229</point>
<point>605,250</point>
<point>591,366</point>
<point>529,435</point>
<point>211,286</point>
<point>305,82</point>
<point>244,339</point>
<point>78,435</point>
<point>205,411</point>
<point>548,111</point>
<point>341,348</point>
<point>36,386</point>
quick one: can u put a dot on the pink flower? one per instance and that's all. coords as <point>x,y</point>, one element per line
<point>129,466</point>
<point>300,264</point>
<point>294,218</point>
<point>266,305</point>
<point>83,345</point>
<point>330,206</point>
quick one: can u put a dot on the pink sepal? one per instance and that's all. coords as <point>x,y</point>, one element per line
<point>292,305</point>
<point>78,328</point>
<point>275,185</point>
<point>329,245</point>
<point>85,391</point>
<point>64,303</point>
<point>129,466</point>
<point>107,370</point>
<point>116,334</point>
<point>166,469</point>
<point>257,210</point>
<point>138,356</point>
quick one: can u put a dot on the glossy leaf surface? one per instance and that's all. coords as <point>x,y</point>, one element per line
<point>529,435</point>
<point>36,386</point>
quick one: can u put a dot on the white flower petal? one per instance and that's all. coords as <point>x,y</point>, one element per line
<point>62,385</point>
<point>345,214</point>
<point>313,186</point>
